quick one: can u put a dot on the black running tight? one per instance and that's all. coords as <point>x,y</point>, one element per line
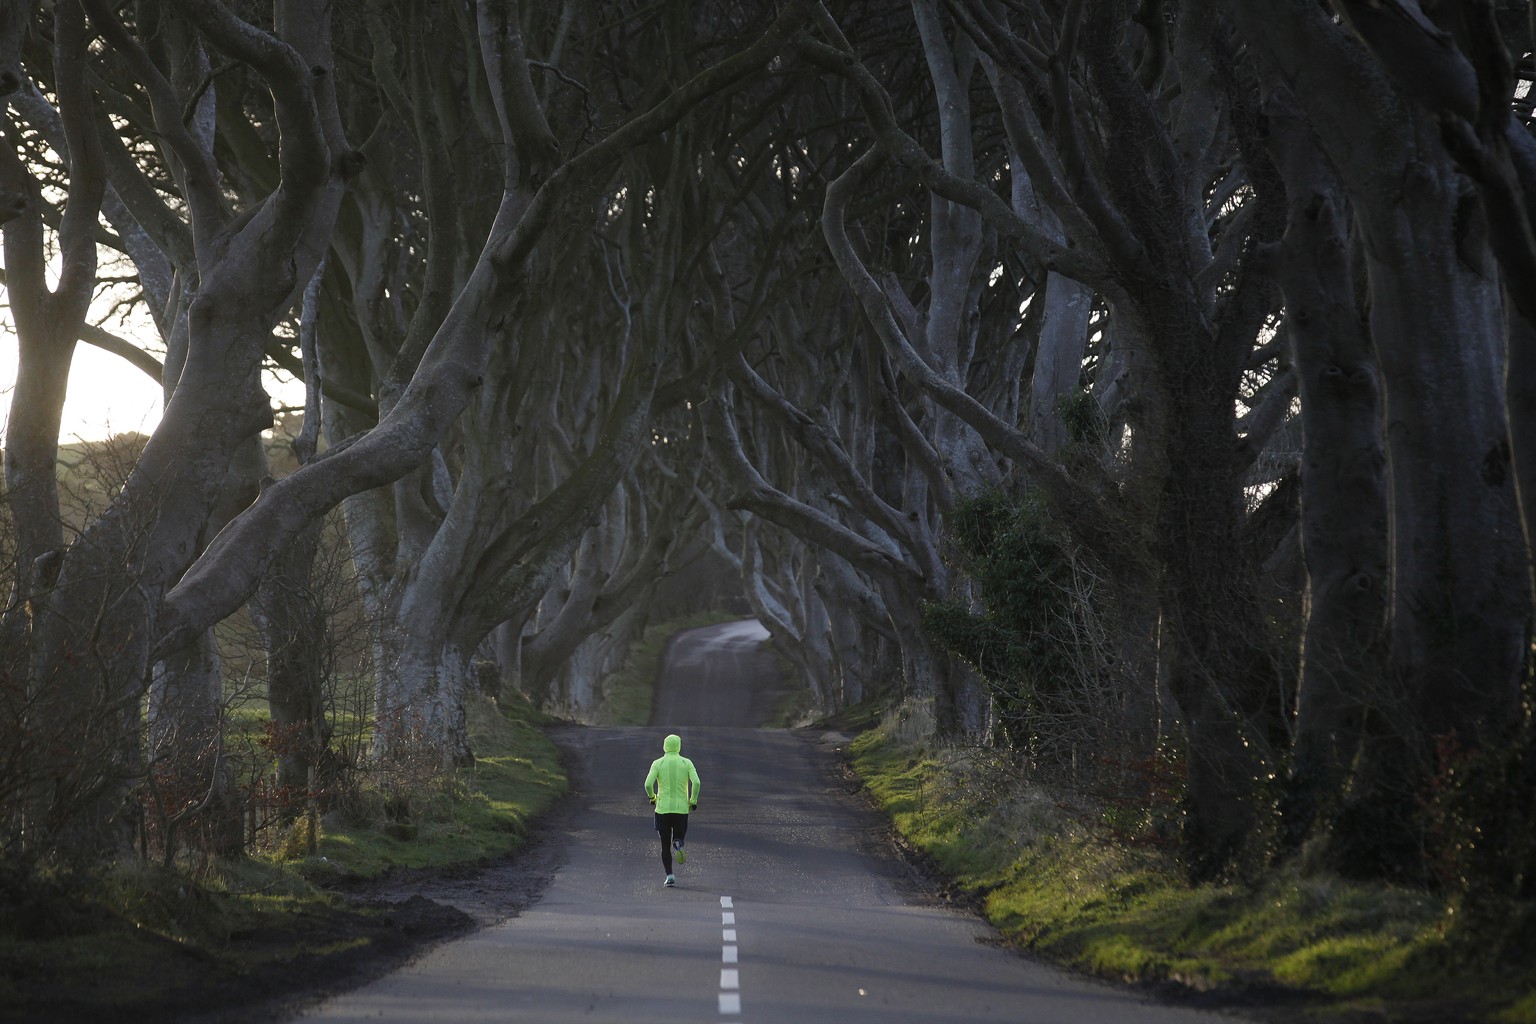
<point>670,827</point>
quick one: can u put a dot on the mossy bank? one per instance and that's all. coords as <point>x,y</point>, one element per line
<point>1067,880</point>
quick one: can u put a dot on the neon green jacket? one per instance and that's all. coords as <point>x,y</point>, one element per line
<point>672,784</point>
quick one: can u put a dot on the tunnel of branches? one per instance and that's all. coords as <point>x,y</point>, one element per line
<point>1082,380</point>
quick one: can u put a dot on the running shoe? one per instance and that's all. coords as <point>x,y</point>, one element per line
<point>671,881</point>
<point>682,854</point>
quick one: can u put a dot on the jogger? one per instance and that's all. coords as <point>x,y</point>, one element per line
<point>672,785</point>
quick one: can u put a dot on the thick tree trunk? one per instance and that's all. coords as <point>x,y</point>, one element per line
<point>1458,637</point>
<point>111,580</point>
<point>32,448</point>
<point>292,623</point>
<point>1343,646</point>
<point>1343,480</point>
<point>47,321</point>
<point>1212,636</point>
<point>89,670</point>
<point>54,725</point>
<point>816,632</point>
<point>191,793</point>
<point>185,713</point>
<point>1214,641</point>
<point>422,678</point>
<point>420,717</point>
<point>1058,359</point>
<point>1458,632</point>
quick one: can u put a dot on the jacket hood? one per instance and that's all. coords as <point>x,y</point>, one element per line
<point>672,744</point>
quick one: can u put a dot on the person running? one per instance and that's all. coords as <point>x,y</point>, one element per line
<point>672,785</point>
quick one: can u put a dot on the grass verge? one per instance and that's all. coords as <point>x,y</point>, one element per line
<point>464,818</point>
<point>1317,946</point>
<point>144,942</point>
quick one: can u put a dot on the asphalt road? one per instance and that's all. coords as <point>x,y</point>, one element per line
<point>718,675</point>
<point>787,909</point>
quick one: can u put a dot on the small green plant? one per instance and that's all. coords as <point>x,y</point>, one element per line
<point>1029,624</point>
<point>1084,419</point>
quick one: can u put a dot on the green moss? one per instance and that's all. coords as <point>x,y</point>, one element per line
<point>1346,964</point>
<point>1048,881</point>
<point>1523,1011</point>
<point>465,817</point>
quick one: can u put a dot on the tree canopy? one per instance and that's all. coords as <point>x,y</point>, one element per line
<point>1100,379</point>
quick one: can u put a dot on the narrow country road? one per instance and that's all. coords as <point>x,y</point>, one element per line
<point>786,910</point>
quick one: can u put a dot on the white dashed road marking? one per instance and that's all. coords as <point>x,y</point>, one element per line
<point>730,977</point>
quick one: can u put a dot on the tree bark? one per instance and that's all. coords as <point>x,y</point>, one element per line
<point>450,369</point>
<point>1457,642</point>
<point>47,323</point>
<point>1343,480</point>
<point>292,623</point>
<point>48,320</point>
<point>111,581</point>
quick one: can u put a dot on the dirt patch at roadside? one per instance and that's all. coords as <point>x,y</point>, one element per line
<point>467,897</point>
<point>274,966</point>
<point>117,973</point>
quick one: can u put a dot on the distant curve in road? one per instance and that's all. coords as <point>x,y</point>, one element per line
<point>718,675</point>
<point>786,910</point>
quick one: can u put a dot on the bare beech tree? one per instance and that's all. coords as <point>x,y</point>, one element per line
<point>583,294</point>
<point>1163,239</point>
<point>249,270</point>
<point>447,373</point>
<point>1437,244</point>
<point>47,321</point>
<point>89,642</point>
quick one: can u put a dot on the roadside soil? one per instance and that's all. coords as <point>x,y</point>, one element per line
<point>273,972</point>
<point>427,907</point>
<point>139,979</point>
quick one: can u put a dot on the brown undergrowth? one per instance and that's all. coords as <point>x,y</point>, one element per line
<point>231,941</point>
